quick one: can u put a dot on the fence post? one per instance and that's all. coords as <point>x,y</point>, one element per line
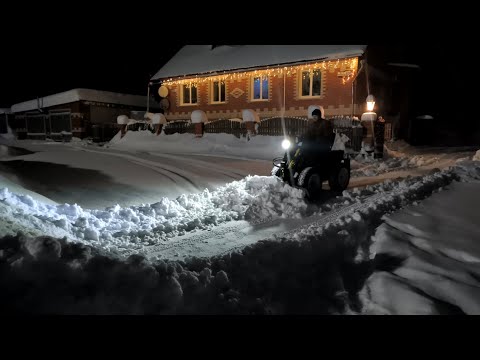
<point>198,118</point>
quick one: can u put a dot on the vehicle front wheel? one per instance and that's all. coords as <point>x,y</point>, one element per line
<point>314,186</point>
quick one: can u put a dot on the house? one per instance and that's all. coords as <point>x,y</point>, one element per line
<point>273,80</point>
<point>78,112</point>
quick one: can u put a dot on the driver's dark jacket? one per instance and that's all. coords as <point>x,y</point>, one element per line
<point>319,134</point>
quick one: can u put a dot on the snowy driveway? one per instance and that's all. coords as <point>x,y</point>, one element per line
<point>95,178</point>
<point>250,246</point>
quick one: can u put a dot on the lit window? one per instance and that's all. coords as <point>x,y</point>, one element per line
<point>260,88</point>
<point>189,94</point>
<point>311,81</point>
<point>218,91</point>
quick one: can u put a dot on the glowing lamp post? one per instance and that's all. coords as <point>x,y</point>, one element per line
<point>370,102</point>
<point>369,115</point>
<point>367,121</point>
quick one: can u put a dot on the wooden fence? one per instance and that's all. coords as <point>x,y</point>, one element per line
<point>274,127</point>
<point>180,127</point>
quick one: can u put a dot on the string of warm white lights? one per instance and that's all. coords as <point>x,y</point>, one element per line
<point>349,66</point>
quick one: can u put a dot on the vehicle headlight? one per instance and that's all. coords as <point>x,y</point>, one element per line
<point>286,144</point>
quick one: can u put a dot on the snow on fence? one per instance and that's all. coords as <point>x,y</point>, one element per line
<point>180,127</point>
<point>233,127</point>
<point>273,127</point>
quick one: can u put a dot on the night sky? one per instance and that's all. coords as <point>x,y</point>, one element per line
<point>47,48</point>
<point>123,62</point>
<point>26,73</point>
<point>36,69</point>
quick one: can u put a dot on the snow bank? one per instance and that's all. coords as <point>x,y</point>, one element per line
<point>259,147</point>
<point>44,275</point>
<point>476,157</point>
<point>372,167</point>
<point>8,136</point>
<point>134,227</point>
<point>317,270</point>
<point>468,170</point>
<point>406,157</point>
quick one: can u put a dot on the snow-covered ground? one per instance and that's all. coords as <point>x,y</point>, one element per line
<point>98,177</point>
<point>431,254</point>
<point>258,147</point>
<point>400,156</point>
<point>144,168</point>
<point>136,226</point>
<point>247,246</point>
<point>316,268</point>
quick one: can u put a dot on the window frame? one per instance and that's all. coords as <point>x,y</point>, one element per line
<point>300,85</point>
<point>252,82</point>
<point>212,84</point>
<point>182,100</point>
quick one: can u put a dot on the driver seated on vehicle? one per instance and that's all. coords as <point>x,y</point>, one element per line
<point>319,136</point>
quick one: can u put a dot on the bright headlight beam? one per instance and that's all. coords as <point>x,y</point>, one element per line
<point>286,144</point>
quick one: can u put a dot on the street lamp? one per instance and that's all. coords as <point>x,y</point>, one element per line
<point>367,120</point>
<point>370,115</point>
<point>370,102</point>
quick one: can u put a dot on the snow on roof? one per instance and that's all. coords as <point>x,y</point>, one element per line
<point>5,111</point>
<point>199,59</point>
<point>86,95</point>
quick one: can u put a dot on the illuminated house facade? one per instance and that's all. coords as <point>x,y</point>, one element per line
<point>273,80</point>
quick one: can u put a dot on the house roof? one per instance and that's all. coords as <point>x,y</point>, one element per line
<point>85,95</point>
<point>202,59</point>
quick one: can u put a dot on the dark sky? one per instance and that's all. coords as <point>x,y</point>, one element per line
<point>33,69</point>
<point>46,48</point>
<point>124,64</point>
<point>36,70</point>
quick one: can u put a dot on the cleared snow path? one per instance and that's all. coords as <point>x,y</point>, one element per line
<point>236,235</point>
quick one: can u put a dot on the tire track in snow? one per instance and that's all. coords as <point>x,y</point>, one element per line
<point>226,237</point>
<point>150,165</point>
<point>321,221</point>
<point>205,164</point>
<point>160,169</point>
<point>241,234</point>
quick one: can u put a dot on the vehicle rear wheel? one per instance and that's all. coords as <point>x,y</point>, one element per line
<point>339,181</point>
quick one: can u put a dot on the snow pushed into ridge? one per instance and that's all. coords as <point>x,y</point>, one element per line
<point>133,227</point>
